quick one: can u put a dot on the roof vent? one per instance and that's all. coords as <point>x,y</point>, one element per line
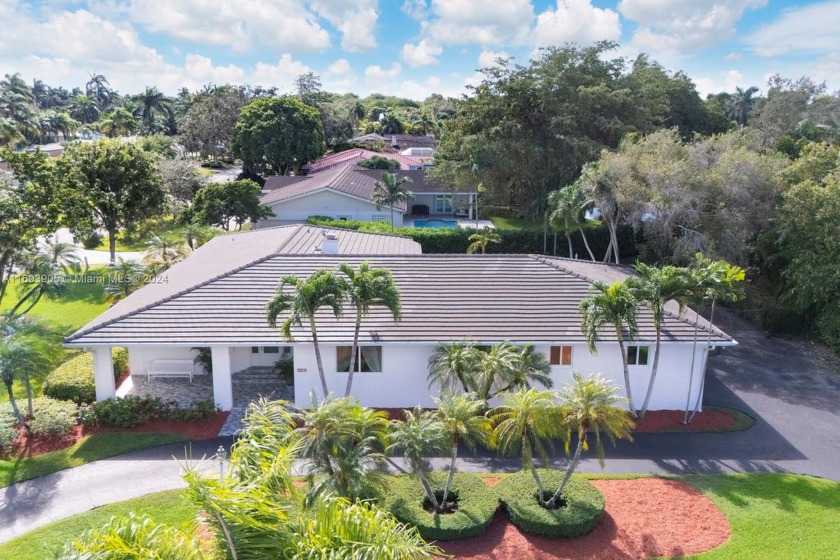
<point>329,245</point>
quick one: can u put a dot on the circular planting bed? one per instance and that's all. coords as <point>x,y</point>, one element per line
<point>472,503</point>
<point>578,511</point>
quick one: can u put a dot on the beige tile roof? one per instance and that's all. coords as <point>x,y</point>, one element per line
<point>445,298</point>
<point>357,155</point>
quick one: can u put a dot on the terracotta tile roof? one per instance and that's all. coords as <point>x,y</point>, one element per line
<point>359,154</point>
<point>445,298</point>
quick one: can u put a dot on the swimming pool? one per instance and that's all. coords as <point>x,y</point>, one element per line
<point>436,223</point>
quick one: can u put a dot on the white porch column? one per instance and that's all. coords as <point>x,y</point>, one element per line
<point>472,207</point>
<point>222,377</point>
<point>103,373</point>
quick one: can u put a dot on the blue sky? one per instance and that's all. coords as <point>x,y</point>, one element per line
<point>404,47</point>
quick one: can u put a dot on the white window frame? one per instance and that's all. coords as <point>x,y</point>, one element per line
<point>638,348</point>
<point>446,199</point>
<point>358,363</point>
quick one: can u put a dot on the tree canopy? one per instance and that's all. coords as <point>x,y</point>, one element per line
<point>229,203</point>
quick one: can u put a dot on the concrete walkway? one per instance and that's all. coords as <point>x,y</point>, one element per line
<point>794,397</point>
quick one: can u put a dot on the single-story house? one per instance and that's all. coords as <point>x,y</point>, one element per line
<point>345,192</point>
<point>356,155</point>
<point>216,298</point>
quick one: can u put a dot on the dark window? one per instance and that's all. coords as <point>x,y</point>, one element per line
<point>255,349</point>
<point>637,355</point>
<point>271,349</point>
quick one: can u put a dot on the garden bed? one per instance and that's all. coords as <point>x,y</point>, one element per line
<point>643,518</point>
<point>711,419</point>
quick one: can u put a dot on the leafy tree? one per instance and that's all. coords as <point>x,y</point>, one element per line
<point>181,179</point>
<point>277,135</point>
<point>526,424</point>
<point>109,184</point>
<point>463,421</point>
<point>654,287</point>
<point>219,204</point>
<point>208,125</point>
<point>419,436</point>
<point>390,191</point>
<point>302,299</point>
<point>378,162</point>
<point>344,442</point>
<point>368,287</point>
<point>590,406</point>
<point>482,240</point>
<point>785,106</point>
<point>611,304</point>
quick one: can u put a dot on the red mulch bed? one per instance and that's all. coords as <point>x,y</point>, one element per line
<point>671,421</point>
<point>643,518</point>
<point>24,446</point>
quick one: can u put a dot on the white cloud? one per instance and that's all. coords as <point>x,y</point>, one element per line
<point>376,73</point>
<point>806,29</point>
<point>733,56</point>
<point>282,75</point>
<point>415,9</point>
<point>489,59</point>
<point>355,19</point>
<point>423,53</point>
<point>483,22</point>
<point>285,25</point>
<point>578,21</point>
<point>684,26</point>
<point>727,81</point>
<point>339,67</point>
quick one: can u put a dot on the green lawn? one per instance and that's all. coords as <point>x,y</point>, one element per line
<point>515,223</point>
<point>91,448</point>
<point>167,507</point>
<point>81,303</point>
<point>123,245</point>
<point>773,516</point>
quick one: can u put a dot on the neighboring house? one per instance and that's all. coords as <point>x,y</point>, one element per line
<point>396,142</point>
<point>357,155</point>
<point>216,298</point>
<point>345,192</point>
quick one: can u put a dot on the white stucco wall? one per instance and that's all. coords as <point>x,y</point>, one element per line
<point>327,203</point>
<point>402,382</point>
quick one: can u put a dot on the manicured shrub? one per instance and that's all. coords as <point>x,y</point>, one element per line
<point>198,412</point>
<point>52,417</point>
<point>581,511</point>
<point>477,504</point>
<point>7,435</point>
<point>130,411</point>
<point>73,380</point>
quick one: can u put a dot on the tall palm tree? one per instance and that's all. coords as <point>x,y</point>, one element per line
<point>368,287</point>
<point>43,278</point>
<point>98,88</point>
<point>526,424</point>
<point>419,436</point>
<point>152,102</point>
<point>591,406</point>
<point>463,421</point>
<point>16,84</point>
<point>83,108</point>
<point>481,240</point>
<point>741,104</point>
<point>390,191</point>
<point>567,211</point>
<point>655,287</point>
<point>40,94</point>
<point>322,289</point>
<point>9,133</point>
<point>719,281</point>
<point>612,304</point>
<point>452,367</point>
<point>344,442</point>
<point>119,122</point>
<point>125,276</point>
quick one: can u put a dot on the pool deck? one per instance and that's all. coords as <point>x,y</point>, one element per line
<point>408,221</point>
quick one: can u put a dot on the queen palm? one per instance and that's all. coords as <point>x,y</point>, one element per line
<point>83,108</point>
<point>526,424</point>
<point>368,287</point>
<point>301,299</point>
<point>463,420</point>
<point>452,367</point>
<point>152,102</point>
<point>480,241</point>
<point>655,287</point>
<point>566,213</point>
<point>124,277</point>
<point>507,367</point>
<point>390,191</point>
<point>43,278</point>
<point>420,435</point>
<point>166,249</point>
<point>591,407</point>
<point>612,304</point>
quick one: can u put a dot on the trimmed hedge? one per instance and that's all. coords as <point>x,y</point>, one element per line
<point>477,504</point>
<point>52,417</point>
<point>73,380</point>
<point>584,504</point>
<point>517,241</point>
<point>133,410</point>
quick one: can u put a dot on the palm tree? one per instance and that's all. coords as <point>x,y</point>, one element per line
<point>506,367</point>
<point>124,276</point>
<point>463,420</point>
<point>655,287</point>
<point>718,281</point>
<point>119,122</point>
<point>152,102</point>
<point>615,305</point>
<point>9,133</point>
<point>83,108</point>
<point>197,235</point>
<point>567,211</point>
<point>741,104</point>
<point>307,296</point>
<point>452,367</point>
<point>419,436</point>
<point>344,442</point>
<point>526,424</point>
<point>591,406</point>
<point>391,191</point>
<point>43,278</point>
<point>16,84</point>
<point>481,240</point>
<point>368,287</point>
<point>99,89</point>
<point>165,249</point>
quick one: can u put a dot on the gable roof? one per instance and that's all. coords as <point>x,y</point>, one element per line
<point>445,298</point>
<point>357,155</point>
